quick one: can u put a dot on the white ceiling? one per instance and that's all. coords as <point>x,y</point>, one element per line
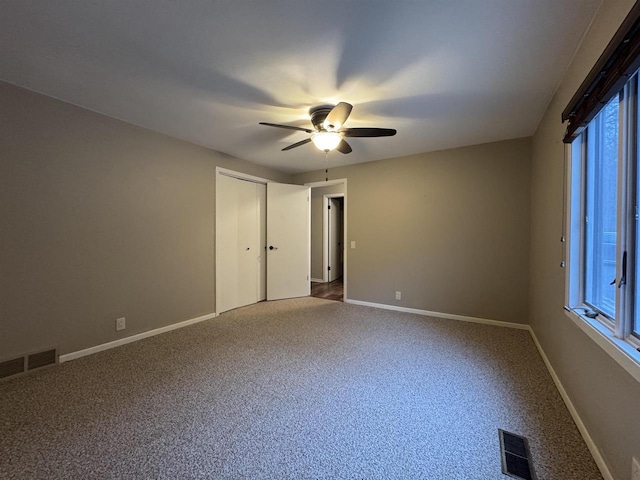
<point>444,73</point>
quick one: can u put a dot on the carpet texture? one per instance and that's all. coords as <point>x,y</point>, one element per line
<point>294,389</point>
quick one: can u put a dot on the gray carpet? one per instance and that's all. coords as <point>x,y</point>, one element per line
<point>294,389</point>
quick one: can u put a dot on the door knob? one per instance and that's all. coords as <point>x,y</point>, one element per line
<point>271,247</point>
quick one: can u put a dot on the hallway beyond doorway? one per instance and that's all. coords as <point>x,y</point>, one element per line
<point>328,290</point>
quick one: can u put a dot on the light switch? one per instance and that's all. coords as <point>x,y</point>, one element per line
<point>353,244</point>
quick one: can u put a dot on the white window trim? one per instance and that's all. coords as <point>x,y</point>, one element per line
<point>623,351</point>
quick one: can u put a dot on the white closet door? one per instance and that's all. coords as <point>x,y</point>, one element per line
<point>247,243</point>
<point>239,247</point>
<point>261,190</point>
<point>288,241</point>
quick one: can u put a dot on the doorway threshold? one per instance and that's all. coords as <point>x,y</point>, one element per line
<point>328,290</point>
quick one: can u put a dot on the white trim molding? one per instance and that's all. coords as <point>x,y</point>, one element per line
<point>327,183</point>
<point>345,223</point>
<point>241,176</point>
<point>622,351</point>
<point>133,338</point>
<point>595,453</point>
<point>318,280</point>
<point>325,234</point>
<point>448,316</point>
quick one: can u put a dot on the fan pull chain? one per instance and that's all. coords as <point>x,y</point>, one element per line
<point>326,170</point>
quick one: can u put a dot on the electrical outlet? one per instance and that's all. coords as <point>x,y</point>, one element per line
<point>353,244</point>
<point>121,323</point>
<point>398,295</point>
<point>635,469</point>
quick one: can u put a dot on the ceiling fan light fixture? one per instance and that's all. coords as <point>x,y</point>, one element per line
<point>328,134</point>
<point>326,141</point>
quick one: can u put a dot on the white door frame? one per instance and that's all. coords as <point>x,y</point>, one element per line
<point>240,176</point>
<point>325,219</point>
<point>325,233</point>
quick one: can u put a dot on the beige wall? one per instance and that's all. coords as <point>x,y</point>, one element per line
<point>606,397</point>
<point>100,219</point>
<point>448,229</point>
<point>317,195</point>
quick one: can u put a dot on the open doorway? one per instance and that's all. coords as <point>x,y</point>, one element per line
<point>328,239</point>
<point>333,256</point>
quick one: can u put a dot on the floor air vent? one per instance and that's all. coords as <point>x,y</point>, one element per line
<point>516,459</point>
<point>16,366</point>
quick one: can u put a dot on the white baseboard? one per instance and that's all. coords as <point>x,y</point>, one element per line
<point>448,316</point>
<point>595,453</point>
<point>602,466</point>
<point>132,338</point>
<point>317,280</point>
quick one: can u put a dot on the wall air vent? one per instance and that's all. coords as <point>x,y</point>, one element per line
<point>25,363</point>
<point>42,359</point>
<point>11,367</point>
<point>516,459</point>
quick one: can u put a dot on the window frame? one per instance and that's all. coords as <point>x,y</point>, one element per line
<point>592,171</point>
<point>615,336</point>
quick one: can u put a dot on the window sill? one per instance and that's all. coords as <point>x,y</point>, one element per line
<point>621,351</point>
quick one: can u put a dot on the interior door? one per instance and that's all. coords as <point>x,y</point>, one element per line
<point>334,239</point>
<point>239,230</point>
<point>288,241</point>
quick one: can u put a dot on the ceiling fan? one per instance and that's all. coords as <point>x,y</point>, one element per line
<point>328,133</point>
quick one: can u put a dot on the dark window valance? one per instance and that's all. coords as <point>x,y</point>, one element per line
<point>618,62</point>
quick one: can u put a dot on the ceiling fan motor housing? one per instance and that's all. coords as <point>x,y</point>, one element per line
<point>327,121</point>
<point>318,115</point>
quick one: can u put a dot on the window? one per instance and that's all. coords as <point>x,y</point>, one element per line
<point>601,188</point>
<point>602,256</point>
<point>604,230</point>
